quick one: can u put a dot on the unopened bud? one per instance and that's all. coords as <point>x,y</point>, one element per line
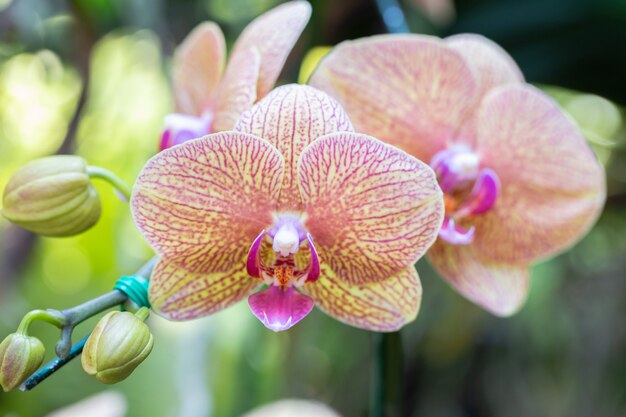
<point>118,344</point>
<point>20,357</point>
<point>52,196</point>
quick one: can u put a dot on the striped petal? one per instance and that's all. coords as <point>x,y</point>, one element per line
<point>499,287</point>
<point>552,186</point>
<point>290,118</point>
<point>237,91</point>
<point>197,68</point>
<point>273,34</point>
<point>180,294</point>
<point>493,65</point>
<point>383,306</point>
<point>204,202</point>
<point>411,91</point>
<point>372,209</point>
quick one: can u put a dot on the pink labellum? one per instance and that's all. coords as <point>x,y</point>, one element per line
<point>180,128</point>
<point>484,194</point>
<point>253,262</point>
<point>280,308</point>
<point>314,266</point>
<point>452,233</point>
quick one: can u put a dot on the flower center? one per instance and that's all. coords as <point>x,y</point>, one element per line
<point>180,128</point>
<point>284,255</point>
<point>469,190</point>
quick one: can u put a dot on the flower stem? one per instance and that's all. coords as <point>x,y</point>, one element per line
<point>387,395</point>
<point>111,178</point>
<point>67,320</point>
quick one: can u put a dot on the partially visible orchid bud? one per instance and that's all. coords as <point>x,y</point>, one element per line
<point>52,196</point>
<point>20,357</point>
<point>117,345</point>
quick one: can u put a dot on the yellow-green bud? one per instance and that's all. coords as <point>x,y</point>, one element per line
<point>20,357</point>
<point>52,196</point>
<point>118,344</point>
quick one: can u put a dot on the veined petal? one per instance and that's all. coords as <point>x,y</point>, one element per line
<point>197,68</point>
<point>280,308</point>
<point>383,306</point>
<point>206,200</point>
<point>411,91</point>
<point>237,91</point>
<point>493,65</point>
<point>552,185</point>
<point>180,294</point>
<point>372,208</point>
<point>290,118</point>
<point>274,34</point>
<point>501,288</point>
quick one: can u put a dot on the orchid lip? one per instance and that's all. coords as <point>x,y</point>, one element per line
<point>280,308</point>
<point>454,234</point>
<point>483,196</point>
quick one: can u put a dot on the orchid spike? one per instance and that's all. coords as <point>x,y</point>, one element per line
<point>210,98</point>
<point>294,200</point>
<point>520,182</point>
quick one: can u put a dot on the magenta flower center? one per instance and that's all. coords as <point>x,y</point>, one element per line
<point>180,128</point>
<point>469,190</point>
<point>285,258</point>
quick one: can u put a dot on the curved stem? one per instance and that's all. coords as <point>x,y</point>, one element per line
<point>51,316</point>
<point>67,320</point>
<point>111,178</point>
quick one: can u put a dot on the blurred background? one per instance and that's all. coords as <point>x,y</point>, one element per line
<point>91,77</point>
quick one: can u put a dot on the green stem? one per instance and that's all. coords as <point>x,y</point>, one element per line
<point>111,178</point>
<point>142,313</point>
<point>387,386</point>
<point>51,316</point>
<point>70,318</point>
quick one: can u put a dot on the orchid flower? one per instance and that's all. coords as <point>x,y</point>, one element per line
<point>295,200</point>
<point>210,98</point>
<point>520,182</point>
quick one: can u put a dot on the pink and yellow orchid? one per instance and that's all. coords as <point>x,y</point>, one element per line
<point>520,182</point>
<point>210,99</point>
<point>295,200</point>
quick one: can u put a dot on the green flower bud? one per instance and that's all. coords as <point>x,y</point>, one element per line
<point>52,196</point>
<point>20,357</point>
<point>118,344</point>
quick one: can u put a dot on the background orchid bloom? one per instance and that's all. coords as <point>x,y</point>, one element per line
<point>296,200</point>
<point>520,182</point>
<point>210,99</point>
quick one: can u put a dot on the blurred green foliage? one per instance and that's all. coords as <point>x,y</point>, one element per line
<point>563,355</point>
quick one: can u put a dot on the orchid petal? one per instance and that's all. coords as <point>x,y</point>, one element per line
<point>411,91</point>
<point>197,68</point>
<point>274,34</point>
<point>280,308</point>
<point>373,209</point>
<point>290,118</point>
<point>237,91</point>
<point>383,306</point>
<point>499,287</point>
<point>207,199</point>
<point>493,65</point>
<point>552,186</point>
<point>180,294</point>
